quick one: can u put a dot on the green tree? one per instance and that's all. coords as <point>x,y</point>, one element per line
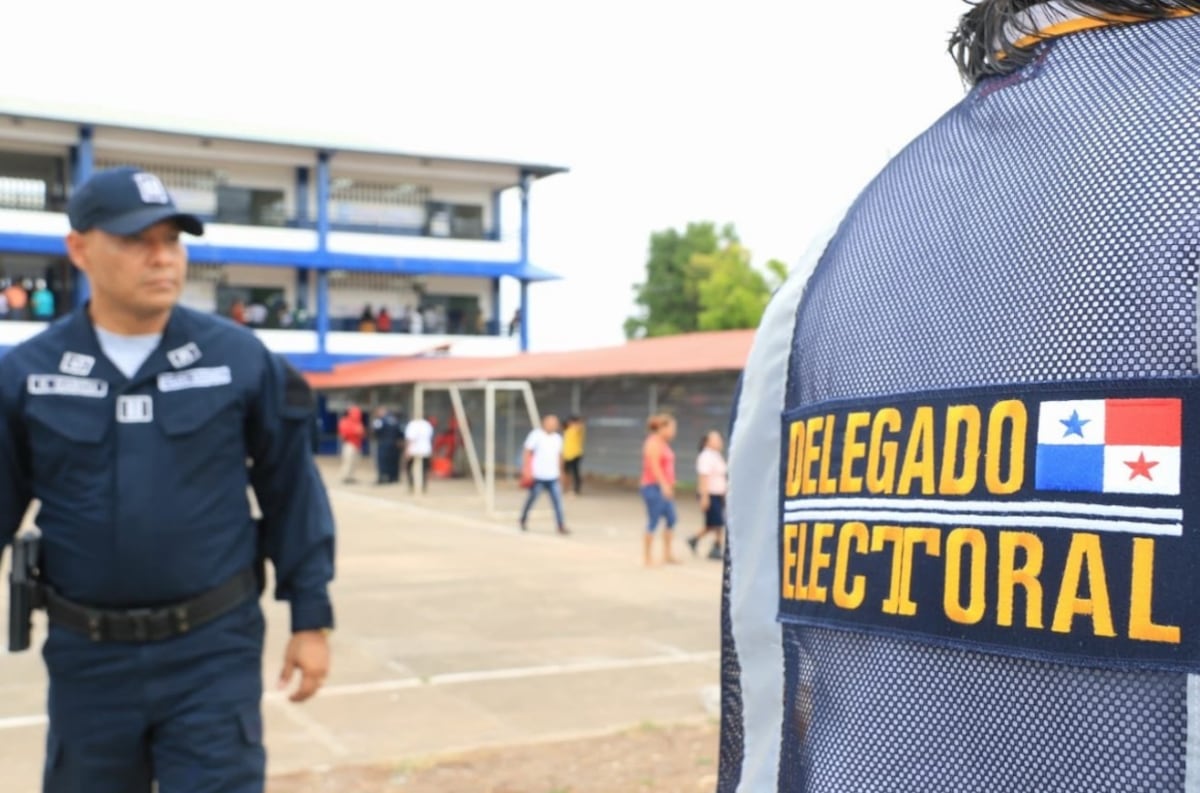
<point>701,279</point>
<point>733,293</point>
<point>669,298</point>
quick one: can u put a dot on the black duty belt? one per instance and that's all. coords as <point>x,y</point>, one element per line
<point>151,624</point>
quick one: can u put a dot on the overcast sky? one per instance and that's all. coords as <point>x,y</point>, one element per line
<point>769,115</point>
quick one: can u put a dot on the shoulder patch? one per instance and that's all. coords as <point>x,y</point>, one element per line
<point>297,394</point>
<point>1043,521</point>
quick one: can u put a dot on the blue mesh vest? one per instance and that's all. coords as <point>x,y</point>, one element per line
<point>1038,243</point>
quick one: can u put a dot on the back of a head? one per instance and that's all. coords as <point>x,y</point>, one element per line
<point>658,421</point>
<point>1013,295</point>
<point>1000,36</point>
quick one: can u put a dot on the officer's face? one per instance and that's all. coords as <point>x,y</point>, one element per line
<point>138,276</point>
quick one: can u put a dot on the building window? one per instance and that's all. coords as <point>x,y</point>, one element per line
<point>374,204</point>
<point>248,207</point>
<point>32,181</point>
<point>460,221</point>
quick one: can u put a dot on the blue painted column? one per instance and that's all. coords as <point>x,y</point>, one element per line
<point>526,182</point>
<point>322,309</point>
<point>301,221</point>
<point>322,248</point>
<point>323,201</point>
<point>84,163</point>
<point>524,329</point>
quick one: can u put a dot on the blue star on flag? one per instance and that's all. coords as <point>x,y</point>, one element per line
<point>1074,424</point>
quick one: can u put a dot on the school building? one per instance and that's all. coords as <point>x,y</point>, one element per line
<point>330,253</point>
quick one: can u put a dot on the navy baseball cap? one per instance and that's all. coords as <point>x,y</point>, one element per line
<point>126,201</point>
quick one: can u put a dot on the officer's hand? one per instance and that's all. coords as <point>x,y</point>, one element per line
<point>307,651</point>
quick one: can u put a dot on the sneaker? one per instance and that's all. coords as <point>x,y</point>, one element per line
<point>523,526</point>
<point>563,530</point>
<point>692,543</point>
<point>716,552</point>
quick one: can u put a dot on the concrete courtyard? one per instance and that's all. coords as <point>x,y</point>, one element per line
<point>456,630</point>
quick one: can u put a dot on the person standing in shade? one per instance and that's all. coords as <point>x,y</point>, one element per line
<point>658,485</point>
<point>351,432</point>
<point>385,431</point>
<point>18,300</point>
<point>418,449</point>
<point>42,302</point>
<point>574,438</point>
<point>711,486</point>
<point>542,467</point>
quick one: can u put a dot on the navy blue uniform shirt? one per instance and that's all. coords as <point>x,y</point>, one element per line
<point>142,481</point>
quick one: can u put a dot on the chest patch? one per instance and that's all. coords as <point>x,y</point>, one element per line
<point>66,385</point>
<point>1045,522</point>
<point>77,364</point>
<point>183,356</point>
<point>209,377</point>
<point>135,409</point>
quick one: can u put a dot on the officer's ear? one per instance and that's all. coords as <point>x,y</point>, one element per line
<point>77,244</point>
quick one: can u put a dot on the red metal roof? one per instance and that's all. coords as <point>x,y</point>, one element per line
<point>690,353</point>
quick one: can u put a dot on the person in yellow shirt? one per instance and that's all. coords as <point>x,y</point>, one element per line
<point>574,437</point>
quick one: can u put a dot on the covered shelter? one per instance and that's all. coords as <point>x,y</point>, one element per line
<point>615,389</point>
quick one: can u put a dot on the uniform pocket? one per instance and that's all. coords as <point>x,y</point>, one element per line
<point>250,723</point>
<point>74,419</point>
<point>190,412</point>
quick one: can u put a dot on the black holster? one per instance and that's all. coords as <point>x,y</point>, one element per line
<point>24,590</point>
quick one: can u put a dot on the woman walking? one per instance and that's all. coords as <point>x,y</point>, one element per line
<point>658,484</point>
<point>712,475</point>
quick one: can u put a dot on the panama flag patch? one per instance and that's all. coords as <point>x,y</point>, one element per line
<point>1110,446</point>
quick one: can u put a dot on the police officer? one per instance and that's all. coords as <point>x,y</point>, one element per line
<point>132,421</point>
<point>386,431</point>
<point>964,540</point>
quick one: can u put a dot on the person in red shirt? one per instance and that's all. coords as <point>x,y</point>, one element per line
<point>658,484</point>
<point>351,432</point>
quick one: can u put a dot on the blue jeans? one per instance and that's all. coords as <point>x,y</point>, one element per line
<point>658,506</point>
<point>552,487</point>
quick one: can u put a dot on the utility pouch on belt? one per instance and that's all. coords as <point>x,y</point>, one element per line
<point>24,591</point>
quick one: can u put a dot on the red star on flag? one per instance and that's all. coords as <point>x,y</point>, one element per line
<point>1140,467</point>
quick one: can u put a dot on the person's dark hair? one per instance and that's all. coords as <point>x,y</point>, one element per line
<point>985,42</point>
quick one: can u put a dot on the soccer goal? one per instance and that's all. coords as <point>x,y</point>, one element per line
<point>483,472</point>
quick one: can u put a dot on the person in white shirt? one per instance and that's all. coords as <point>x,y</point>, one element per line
<point>542,470</point>
<point>712,476</point>
<point>418,448</point>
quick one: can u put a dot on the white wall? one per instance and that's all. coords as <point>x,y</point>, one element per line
<point>387,344</point>
<point>52,224</point>
<point>12,333</point>
<point>424,247</point>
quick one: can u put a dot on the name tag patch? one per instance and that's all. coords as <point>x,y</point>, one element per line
<point>66,385</point>
<point>135,409</point>
<point>209,377</point>
<point>1044,522</point>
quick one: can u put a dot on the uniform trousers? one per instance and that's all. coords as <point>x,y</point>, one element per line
<point>185,712</point>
